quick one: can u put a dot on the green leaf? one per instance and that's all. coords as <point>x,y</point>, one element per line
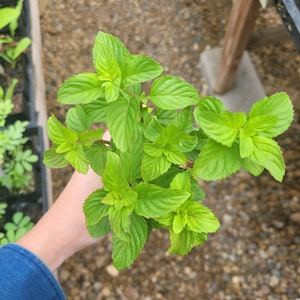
<point>89,137</point>
<point>106,42</point>
<point>211,104</point>
<point>7,15</point>
<point>246,144</point>
<point>179,222</point>
<point>114,178</point>
<point>58,133</point>
<point>139,68</point>
<point>52,159</point>
<point>267,153</point>
<point>120,222</point>
<point>77,119</point>
<point>153,131</point>
<point>259,124</point>
<point>153,167</point>
<point>174,155</point>
<point>80,89</point>
<point>183,242</point>
<point>10,90</point>
<point>122,121</point>
<point>94,209</point>
<point>200,218</point>
<point>222,127</point>
<point>111,90</point>
<point>169,92</point>
<point>166,179</point>
<point>217,161</point>
<point>96,110</point>
<point>131,159</point>
<point>97,158</point>
<point>154,201</point>
<point>184,119</point>
<point>21,47</point>
<point>153,149</point>
<point>197,192</point>
<point>182,181</point>
<point>125,252</point>
<point>76,157</point>
<point>99,229</point>
<point>278,105</point>
<point>252,167</point>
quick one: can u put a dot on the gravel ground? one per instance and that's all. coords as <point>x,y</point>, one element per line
<point>259,258</point>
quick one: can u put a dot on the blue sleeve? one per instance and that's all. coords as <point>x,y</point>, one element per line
<point>24,276</point>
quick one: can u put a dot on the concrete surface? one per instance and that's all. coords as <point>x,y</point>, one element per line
<point>247,88</point>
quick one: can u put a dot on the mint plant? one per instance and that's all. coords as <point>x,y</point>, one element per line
<point>10,48</point>
<point>162,143</point>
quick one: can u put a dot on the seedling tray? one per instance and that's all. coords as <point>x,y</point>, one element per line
<point>35,202</point>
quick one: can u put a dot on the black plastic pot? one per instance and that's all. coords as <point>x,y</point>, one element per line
<point>24,92</point>
<point>35,202</point>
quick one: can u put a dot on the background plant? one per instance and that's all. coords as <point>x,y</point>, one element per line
<point>10,47</point>
<point>162,143</point>
<point>12,231</point>
<point>16,161</point>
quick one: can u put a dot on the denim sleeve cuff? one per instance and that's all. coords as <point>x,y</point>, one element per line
<point>24,276</point>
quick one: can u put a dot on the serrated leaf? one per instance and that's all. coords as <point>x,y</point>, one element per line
<point>122,121</point>
<point>96,110</point>
<point>200,218</point>
<point>99,229</point>
<point>166,179</point>
<point>183,242</point>
<point>53,159</point>
<point>211,104</point>
<point>93,208</point>
<point>182,181</point>
<point>184,119</point>
<point>174,155</point>
<point>222,127</point>
<point>153,149</point>
<point>197,192</point>
<point>217,161</point>
<point>252,167</point>
<point>131,159</point>
<point>125,252</point>
<point>153,167</point>
<point>96,155</point>
<point>108,41</point>
<point>267,153</point>
<point>246,144</point>
<point>153,131</point>
<point>88,137</point>
<point>120,221</point>
<point>170,93</point>
<point>58,133</point>
<point>77,119</point>
<point>138,69</point>
<point>76,157</point>
<point>80,89</point>
<point>278,105</point>
<point>114,178</point>
<point>259,124</point>
<point>179,222</point>
<point>111,90</point>
<point>154,201</point>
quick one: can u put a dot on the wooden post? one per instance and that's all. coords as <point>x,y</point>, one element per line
<point>239,29</point>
